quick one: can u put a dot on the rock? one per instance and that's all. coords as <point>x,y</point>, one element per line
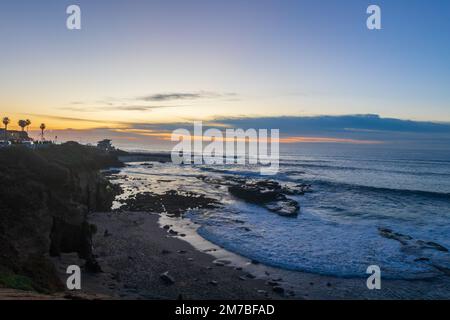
<point>253,194</point>
<point>263,292</point>
<point>421,259</point>
<point>432,245</point>
<point>93,266</point>
<point>173,232</point>
<point>272,283</point>
<point>164,251</point>
<point>407,241</point>
<point>268,194</point>
<point>286,207</point>
<point>242,278</point>
<point>213,282</point>
<point>444,270</point>
<point>290,293</point>
<point>255,261</point>
<point>173,203</point>
<point>166,278</point>
<point>250,276</point>
<point>182,251</point>
<point>277,279</point>
<point>389,234</point>
<point>278,290</point>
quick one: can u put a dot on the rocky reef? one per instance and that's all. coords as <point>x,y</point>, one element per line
<point>45,197</point>
<point>173,203</point>
<point>266,193</point>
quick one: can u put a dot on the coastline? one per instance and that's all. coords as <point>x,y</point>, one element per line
<point>152,252</point>
<point>154,233</point>
<point>134,252</point>
<point>137,250</point>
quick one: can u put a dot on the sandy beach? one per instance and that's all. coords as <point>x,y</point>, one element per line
<point>135,252</point>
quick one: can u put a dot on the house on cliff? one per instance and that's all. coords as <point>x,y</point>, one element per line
<point>15,136</point>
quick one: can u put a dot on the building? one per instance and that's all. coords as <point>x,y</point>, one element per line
<point>105,145</point>
<point>15,136</point>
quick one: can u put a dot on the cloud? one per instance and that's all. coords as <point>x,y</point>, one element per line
<point>72,119</point>
<point>348,129</point>
<point>186,96</point>
<point>369,127</point>
<point>136,103</point>
<point>368,123</point>
<point>116,108</point>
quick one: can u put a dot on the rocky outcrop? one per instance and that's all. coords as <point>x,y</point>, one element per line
<point>425,251</point>
<point>266,193</point>
<point>45,196</point>
<point>172,202</point>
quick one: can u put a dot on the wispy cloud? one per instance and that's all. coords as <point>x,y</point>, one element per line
<point>174,96</point>
<point>139,103</point>
<point>116,108</point>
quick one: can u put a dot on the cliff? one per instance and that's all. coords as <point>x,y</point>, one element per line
<point>45,196</point>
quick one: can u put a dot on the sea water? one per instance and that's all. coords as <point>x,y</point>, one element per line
<point>356,191</point>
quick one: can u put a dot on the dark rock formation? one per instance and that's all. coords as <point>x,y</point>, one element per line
<point>45,196</point>
<point>266,193</point>
<point>173,203</point>
<point>419,247</point>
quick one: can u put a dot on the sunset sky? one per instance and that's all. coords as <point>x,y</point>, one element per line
<point>142,66</point>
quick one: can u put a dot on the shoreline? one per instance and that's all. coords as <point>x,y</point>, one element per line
<point>136,250</point>
<point>135,253</point>
<point>295,284</point>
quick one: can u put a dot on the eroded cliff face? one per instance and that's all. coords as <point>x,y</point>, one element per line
<point>45,196</point>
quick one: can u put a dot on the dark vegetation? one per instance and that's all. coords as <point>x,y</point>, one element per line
<point>45,196</point>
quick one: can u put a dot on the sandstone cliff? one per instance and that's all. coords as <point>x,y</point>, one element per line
<point>45,196</point>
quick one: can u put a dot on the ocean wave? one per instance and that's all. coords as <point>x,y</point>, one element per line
<point>352,168</point>
<point>400,192</point>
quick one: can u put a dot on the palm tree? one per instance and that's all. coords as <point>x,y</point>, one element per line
<point>6,121</point>
<point>42,127</point>
<point>28,123</point>
<point>22,124</point>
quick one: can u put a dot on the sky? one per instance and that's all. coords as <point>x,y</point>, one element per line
<point>142,66</point>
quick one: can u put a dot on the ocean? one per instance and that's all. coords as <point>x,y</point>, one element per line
<point>358,191</point>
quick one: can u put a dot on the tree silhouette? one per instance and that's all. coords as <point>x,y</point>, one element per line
<point>22,124</point>
<point>28,123</point>
<point>6,121</point>
<point>42,127</point>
